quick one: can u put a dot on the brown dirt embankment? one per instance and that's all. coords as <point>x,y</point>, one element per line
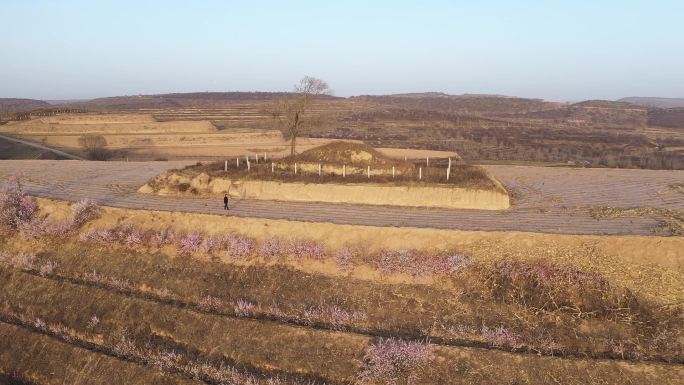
<point>173,183</point>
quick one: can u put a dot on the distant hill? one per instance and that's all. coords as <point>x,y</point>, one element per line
<point>603,113</point>
<point>655,102</point>
<point>486,105</point>
<point>178,100</point>
<point>671,117</point>
<point>609,104</point>
<point>12,105</point>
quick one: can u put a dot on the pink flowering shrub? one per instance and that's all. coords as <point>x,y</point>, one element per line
<point>237,246</point>
<point>189,243</point>
<point>136,236</point>
<point>396,261</point>
<point>16,208</point>
<point>99,235</point>
<point>208,244</point>
<point>450,263</point>
<point>162,237</point>
<point>345,258</point>
<point>28,207</point>
<point>244,308</point>
<point>59,228</point>
<point>272,248</point>
<point>18,212</point>
<point>306,249</point>
<point>392,361</point>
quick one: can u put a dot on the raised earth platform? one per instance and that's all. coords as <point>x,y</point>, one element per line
<point>550,200</point>
<point>340,172</point>
<point>371,194</point>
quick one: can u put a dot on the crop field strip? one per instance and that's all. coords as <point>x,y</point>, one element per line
<point>122,309</point>
<point>305,325</point>
<point>197,307</point>
<point>552,200</point>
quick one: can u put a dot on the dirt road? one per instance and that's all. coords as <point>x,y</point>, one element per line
<point>40,146</point>
<point>550,200</point>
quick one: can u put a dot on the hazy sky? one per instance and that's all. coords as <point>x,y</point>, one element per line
<point>558,50</point>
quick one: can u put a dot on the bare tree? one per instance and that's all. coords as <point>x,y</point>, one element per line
<point>291,112</point>
<point>94,146</point>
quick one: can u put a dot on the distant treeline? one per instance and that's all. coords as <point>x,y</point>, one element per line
<point>25,115</point>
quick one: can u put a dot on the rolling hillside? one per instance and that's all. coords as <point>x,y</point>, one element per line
<point>12,105</point>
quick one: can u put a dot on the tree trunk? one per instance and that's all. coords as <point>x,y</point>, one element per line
<point>294,133</point>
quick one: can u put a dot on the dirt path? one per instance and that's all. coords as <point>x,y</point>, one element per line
<point>36,145</point>
<point>550,200</point>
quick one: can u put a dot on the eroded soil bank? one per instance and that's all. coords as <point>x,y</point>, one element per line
<point>375,194</point>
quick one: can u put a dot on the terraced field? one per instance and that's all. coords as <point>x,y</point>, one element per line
<point>550,200</point>
<point>143,339</point>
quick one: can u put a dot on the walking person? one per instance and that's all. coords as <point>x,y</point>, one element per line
<point>225,202</point>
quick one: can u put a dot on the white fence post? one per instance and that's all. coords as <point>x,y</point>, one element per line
<point>427,162</point>
<point>295,168</point>
<point>249,166</point>
<point>264,156</point>
<point>449,169</point>
<point>272,168</point>
<point>420,173</point>
<point>392,172</point>
<point>368,172</point>
<point>225,166</point>
<point>237,162</point>
<point>344,170</point>
<point>319,169</point>
<point>256,158</point>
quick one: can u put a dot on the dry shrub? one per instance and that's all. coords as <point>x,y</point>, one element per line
<point>419,264</point>
<point>244,308</point>
<point>336,316</point>
<point>391,361</point>
<point>209,303</point>
<point>542,285</point>
<point>84,211</point>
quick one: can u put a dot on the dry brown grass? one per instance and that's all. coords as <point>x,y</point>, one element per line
<point>670,222</point>
<point>355,157</point>
<point>509,295</point>
<point>164,305</point>
<point>207,316</point>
